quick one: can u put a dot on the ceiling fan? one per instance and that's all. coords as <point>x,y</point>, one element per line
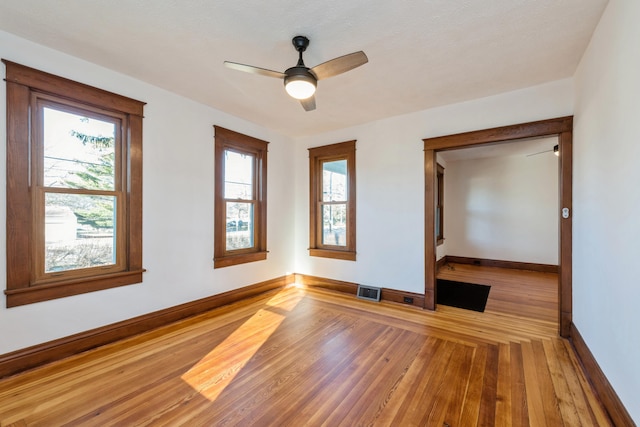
<point>300,81</point>
<point>556,151</point>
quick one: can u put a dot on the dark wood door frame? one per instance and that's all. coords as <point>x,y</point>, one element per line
<point>561,127</point>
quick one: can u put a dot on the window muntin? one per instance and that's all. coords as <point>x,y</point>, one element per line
<point>69,186</point>
<point>332,195</point>
<point>240,198</point>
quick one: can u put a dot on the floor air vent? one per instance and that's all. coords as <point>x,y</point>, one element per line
<point>368,292</point>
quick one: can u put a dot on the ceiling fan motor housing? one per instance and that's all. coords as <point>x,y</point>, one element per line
<point>300,73</point>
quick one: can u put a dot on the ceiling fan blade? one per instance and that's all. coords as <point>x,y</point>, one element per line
<point>340,65</point>
<point>539,152</point>
<point>254,70</point>
<point>309,104</point>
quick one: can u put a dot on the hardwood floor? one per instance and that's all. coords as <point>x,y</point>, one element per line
<point>306,357</point>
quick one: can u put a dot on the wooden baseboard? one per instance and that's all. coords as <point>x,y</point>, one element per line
<point>331,284</point>
<point>543,268</point>
<point>391,295</point>
<point>31,357</point>
<point>440,263</point>
<point>607,395</point>
<point>394,295</point>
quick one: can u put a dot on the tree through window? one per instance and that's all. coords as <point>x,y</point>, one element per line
<point>81,197</point>
<point>74,161</point>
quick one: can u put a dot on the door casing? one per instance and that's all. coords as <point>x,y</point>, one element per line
<point>561,127</point>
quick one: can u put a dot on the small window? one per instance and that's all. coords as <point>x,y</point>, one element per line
<point>240,198</point>
<point>440,205</point>
<point>74,169</point>
<point>332,225</point>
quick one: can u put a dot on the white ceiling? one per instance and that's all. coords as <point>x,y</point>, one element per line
<point>422,54</point>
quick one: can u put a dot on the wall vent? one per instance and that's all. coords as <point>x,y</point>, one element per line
<point>369,293</point>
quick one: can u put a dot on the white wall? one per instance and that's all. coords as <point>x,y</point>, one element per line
<point>390,182</point>
<point>606,221</point>
<point>177,208</point>
<point>503,208</point>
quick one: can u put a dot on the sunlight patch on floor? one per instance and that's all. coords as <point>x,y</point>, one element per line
<point>214,372</point>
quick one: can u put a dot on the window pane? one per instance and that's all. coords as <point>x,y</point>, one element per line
<point>238,175</point>
<point>334,181</point>
<point>79,152</point>
<point>239,226</point>
<point>334,225</point>
<point>79,231</point>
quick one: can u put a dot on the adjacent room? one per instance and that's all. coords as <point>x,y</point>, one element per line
<point>219,213</point>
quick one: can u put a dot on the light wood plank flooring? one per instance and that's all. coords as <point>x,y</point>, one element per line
<point>308,357</point>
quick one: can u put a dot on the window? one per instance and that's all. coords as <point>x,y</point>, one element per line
<point>74,187</point>
<point>240,198</point>
<point>332,224</point>
<point>440,205</point>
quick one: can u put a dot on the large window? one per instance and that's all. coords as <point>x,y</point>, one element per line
<point>332,225</point>
<point>240,198</point>
<point>74,187</point>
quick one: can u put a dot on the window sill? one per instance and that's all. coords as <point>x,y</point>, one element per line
<point>230,260</point>
<point>328,253</point>
<point>39,293</point>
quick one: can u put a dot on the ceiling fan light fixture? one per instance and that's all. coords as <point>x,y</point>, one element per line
<point>300,83</point>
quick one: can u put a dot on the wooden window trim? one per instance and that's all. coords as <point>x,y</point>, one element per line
<point>228,139</point>
<point>440,203</point>
<point>317,155</point>
<point>23,83</point>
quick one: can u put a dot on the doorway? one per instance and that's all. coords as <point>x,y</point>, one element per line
<point>562,128</point>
